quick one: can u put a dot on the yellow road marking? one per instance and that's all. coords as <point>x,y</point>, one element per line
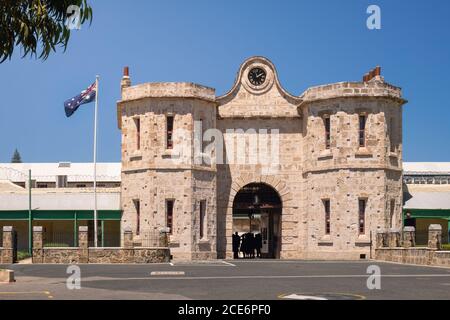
<point>47,293</point>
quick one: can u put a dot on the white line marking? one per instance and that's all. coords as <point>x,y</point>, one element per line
<point>167,273</point>
<point>278,277</point>
<point>228,263</point>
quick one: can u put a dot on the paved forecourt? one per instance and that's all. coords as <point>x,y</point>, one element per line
<point>242,279</point>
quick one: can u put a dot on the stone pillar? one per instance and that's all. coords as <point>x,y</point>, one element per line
<point>128,238</point>
<point>83,245</point>
<point>163,239</point>
<point>409,237</point>
<point>380,239</point>
<point>7,255</point>
<point>38,245</point>
<point>435,236</point>
<point>394,238</point>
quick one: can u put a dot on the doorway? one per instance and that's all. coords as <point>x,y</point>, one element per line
<point>257,211</point>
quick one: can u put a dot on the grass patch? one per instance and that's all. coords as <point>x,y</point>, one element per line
<point>22,255</point>
<point>446,247</point>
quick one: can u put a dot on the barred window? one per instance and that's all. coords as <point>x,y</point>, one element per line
<point>362,130</point>
<point>169,132</point>
<point>327,123</point>
<point>326,204</point>
<point>362,216</point>
<point>169,214</point>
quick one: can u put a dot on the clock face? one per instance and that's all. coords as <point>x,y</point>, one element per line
<point>257,76</point>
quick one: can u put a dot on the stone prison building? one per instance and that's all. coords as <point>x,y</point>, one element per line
<point>333,179</point>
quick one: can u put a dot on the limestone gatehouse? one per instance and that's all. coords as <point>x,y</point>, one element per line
<point>333,178</point>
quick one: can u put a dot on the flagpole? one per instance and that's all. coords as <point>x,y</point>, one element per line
<point>95,162</point>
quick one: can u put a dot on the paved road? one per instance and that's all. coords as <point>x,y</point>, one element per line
<point>260,279</point>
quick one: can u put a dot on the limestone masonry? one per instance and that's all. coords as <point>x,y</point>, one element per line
<point>335,166</point>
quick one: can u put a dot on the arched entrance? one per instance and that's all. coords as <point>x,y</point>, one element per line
<point>257,211</point>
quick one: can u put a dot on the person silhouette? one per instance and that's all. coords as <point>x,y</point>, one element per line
<point>258,241</point>
<point>236,244</point>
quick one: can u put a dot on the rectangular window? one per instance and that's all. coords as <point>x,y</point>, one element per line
<point>137,206</point>
<point>391,134</point>
<point>362,216</point>
<point>81,186</point>
<point>169,132</point>
<point>326,204</point>
<point>362,130</point>
<point>169,215</point>
<point>137,122</point>
<point>202,218</point>
<point>327,123</point>
<point>391,223</point>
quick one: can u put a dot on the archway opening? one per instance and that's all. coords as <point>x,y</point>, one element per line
<point>257,211</point>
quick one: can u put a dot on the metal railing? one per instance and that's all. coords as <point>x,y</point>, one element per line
<point>58,239</point>
<point>149,239</point>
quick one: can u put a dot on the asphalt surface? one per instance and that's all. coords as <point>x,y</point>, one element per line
<point>241,280</point>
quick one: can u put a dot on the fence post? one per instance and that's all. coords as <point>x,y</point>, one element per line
<point>409,237</point>
<point>38,246</point>
<point>394,238</point>
<point>8,243</point>
<point>83,245</point>
<point>435,236</point>
<point>128,238</point>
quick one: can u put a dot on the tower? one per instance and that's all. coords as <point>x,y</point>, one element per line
<point>164,187</point>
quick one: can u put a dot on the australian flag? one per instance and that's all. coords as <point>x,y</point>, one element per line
<point>86,96</point>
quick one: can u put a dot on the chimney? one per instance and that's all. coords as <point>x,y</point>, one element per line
<point>378,71</point>
<point>126,81</point>
<point>374,73</point>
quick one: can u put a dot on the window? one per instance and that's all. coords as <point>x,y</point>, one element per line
<point>81,186</point>
<point>202,219</point>
<point>169,215</point>
<point>327,123</point>
<point>392,211</point>
<point>362,130</point>
<point>137,206</point>
<point>362,216</point>
<point>42,185</point>
<point>326,204</point>
<point>169,132</point>
<point>391,133</point>
<point>62,181</point>
<point>137,122</point>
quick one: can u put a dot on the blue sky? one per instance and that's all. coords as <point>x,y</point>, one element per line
<point>310,42</point>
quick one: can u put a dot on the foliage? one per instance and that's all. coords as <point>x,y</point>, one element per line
<point>56,245</point>
<point>16,158</point>
<point>22,255</point>
<point>446,247</point>
<point>36,25</point>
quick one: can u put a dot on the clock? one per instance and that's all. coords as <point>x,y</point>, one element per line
<point>257,76</point>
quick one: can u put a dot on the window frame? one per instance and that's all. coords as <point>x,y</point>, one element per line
<point>362,216</point>
<point>169,224</point>
<point>170,123</point>
<point>327,129</point>
<point>137,207</point>
<point>203,220</point>
<point>327,211</point>
<point>362,127</point>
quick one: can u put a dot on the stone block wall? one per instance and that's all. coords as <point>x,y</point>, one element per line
<point>408,254</point>
<point>85,254</point>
